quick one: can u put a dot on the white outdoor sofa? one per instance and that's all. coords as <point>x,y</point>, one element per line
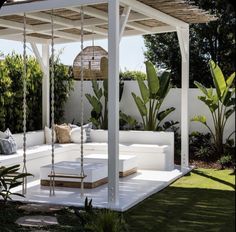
<point>154,150</point>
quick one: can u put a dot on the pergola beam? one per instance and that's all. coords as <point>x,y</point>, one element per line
<point>14,25</point>
<point>30,29</point>
<point>29,39</point>
<point>154,13</point>
<point>68,37</point>
<point>156,30</point>
<point>104,16</point>
<point>124,19</point>
<point>67,23</point>
<point>38,56</point>
<point>45,5</point>
<point>47,18</point>
<point>44,64</point>
<point>64,22</point>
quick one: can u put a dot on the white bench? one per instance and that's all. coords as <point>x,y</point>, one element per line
<point>96,174</point>
<point>153,150</point>
<point>127,163</point>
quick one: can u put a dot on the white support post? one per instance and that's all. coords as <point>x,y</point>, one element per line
<point>46,87</point>
<point>113,103</point>
<point>183,36</point>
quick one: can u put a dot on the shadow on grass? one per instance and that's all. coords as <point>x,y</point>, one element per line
<point>213,178</point>
<point>184,209</point>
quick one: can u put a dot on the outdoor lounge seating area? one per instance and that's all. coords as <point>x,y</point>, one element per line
<point>145,166</point>
<point>154,151</point>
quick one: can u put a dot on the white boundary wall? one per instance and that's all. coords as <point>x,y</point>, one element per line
<point>127,105</point>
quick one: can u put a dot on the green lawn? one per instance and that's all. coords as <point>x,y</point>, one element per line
<point>203,201</point>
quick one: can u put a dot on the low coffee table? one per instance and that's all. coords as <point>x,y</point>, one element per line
<point>127,163</point>
<point>96,174</point>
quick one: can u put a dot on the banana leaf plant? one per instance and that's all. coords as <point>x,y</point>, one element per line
<point>152,96</point>
<point>221,104</point>
<point>99,101</point>
<point>10,178</point>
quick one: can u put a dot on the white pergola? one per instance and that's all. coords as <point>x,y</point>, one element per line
<point>110,19</point>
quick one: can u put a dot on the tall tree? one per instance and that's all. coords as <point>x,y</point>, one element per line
<point>214,40</point>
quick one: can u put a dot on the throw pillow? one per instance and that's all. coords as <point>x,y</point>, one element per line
<point>8,144</point>
<point>63,133</point>
<point>75,135</point>
<point>88,128</point>
<point>48,135</point>
<point>72,126</point>
<point>2,136</point>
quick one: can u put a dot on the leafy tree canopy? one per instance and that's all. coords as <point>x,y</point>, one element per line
<point>214,40</point>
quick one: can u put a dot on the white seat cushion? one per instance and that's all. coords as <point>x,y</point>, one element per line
<point>125,147</point>
<point>93,171</point>
<point>126,162</point>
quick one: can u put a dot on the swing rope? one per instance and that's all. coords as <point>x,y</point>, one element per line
<point>24,170</point>
<point>52,176</point>
<point>82,102</point>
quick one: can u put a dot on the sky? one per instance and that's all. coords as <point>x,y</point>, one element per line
<point>131,51</point>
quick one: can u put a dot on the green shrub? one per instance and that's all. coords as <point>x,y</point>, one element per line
<point>107,221</point>
<point>133,75</point>
<point>11,92</point>
<point>201,147</point>
<point>226,161</point>
<point>63,85</point>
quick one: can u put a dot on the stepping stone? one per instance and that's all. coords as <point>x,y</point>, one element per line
<point>44,208</point>
<point>37,221</point>
<point>40,230</point>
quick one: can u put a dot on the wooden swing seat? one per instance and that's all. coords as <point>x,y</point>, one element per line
<point>66,174</point>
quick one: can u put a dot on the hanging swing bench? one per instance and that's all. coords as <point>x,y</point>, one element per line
<point>67,173</point>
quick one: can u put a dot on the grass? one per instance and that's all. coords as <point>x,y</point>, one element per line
<point>201,201</point>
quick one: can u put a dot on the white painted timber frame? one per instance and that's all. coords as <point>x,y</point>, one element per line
<point>44,64</point>
<point>183,37</point>
<point>113,103</point>
<point>133,11</point>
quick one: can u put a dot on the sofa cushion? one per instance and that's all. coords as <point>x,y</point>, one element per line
<point>125,147</point>
<point>98,136</point>
<point>48,135</point>
<point>63,133</point>
<point>36,152</point>
<point>75,135</point>
<point>87,128</point>
<point>7,143</point>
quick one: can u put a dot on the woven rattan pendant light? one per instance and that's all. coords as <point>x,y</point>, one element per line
<point>91,58</point>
